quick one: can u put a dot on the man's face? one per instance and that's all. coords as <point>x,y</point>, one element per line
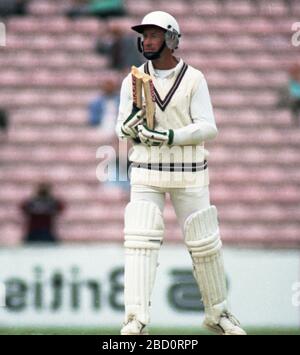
<point>153,38</point>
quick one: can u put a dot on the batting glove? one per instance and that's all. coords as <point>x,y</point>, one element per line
<point>151,137</point>
<point>129,126</point>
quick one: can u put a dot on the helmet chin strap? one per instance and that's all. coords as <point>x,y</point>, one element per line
<point>154,55</point>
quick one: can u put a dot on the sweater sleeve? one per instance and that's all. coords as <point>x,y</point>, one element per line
<point>203,127</point>
<point>125,106</point>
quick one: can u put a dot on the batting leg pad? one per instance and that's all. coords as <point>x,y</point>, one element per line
<point>202,238</point>
<point>144,228</point>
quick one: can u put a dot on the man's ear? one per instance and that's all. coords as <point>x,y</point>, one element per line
<point>140,45</point>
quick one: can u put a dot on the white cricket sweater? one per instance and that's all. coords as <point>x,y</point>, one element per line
<point>182,104</point>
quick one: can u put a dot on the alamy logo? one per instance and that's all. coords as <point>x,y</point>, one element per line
<point>296,35</point>
<point>2,35</point>
<point>114,164</point>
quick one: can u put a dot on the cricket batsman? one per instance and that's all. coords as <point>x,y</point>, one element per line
<point>170,158</point>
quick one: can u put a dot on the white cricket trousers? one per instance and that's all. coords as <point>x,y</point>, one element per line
<point>185,201</point>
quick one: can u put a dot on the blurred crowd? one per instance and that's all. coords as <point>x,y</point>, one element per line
<point>120,46</point>
<point>3,124</point>
<point>289,96</point>
<point>77,8</point>
<point>13,7</point>
<point>40,212</point>
<point>99,8</point>
<point>294,92</point>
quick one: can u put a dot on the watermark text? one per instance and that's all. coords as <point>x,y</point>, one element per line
<point>296,35</point>
<point>162,164</point>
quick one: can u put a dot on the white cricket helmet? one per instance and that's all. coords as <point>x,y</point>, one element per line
<point>165,21</point>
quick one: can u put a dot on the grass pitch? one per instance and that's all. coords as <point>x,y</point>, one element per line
<point>153,331</point>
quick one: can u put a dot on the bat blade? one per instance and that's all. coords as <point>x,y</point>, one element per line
<point>137,86</point>
<point>150,100</point>
<point>143,82</point>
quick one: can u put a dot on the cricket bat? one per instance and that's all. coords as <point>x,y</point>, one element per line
<point>137,87</point>
<point>143,82</point>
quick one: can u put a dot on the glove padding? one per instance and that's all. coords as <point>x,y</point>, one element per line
<point>151,137</point>
<point>129,126</point>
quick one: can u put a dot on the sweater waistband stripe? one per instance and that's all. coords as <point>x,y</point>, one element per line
<point>172,167</point>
